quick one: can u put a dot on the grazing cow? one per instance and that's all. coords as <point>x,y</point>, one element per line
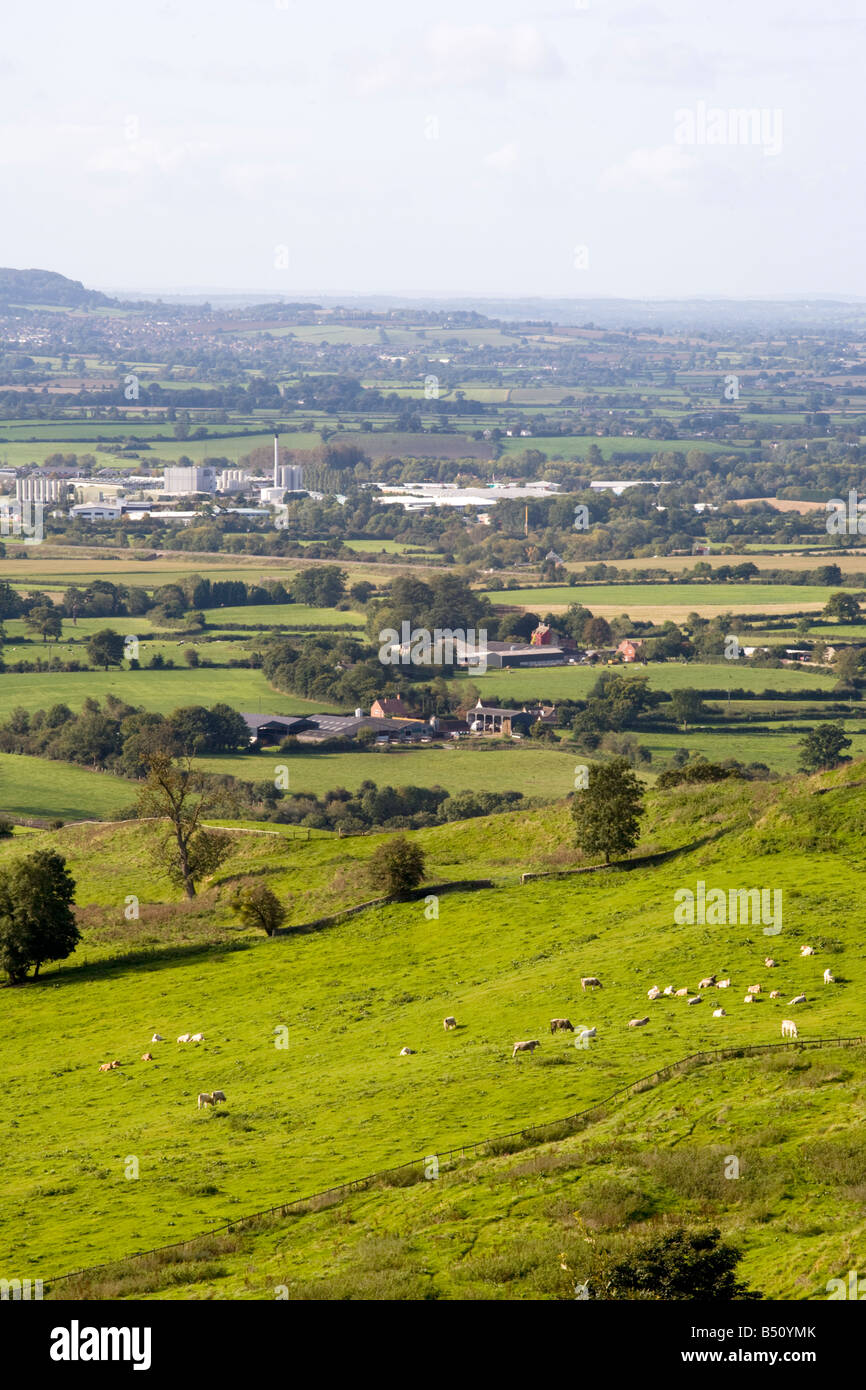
<point>769,962</point>
<point>653,993</point>
<point>157,1037</point>
<point>798,999</point>
<point>147,1056</point>
<point>723,984</point>
<point>218,1095</point>
<point>719,1013</point>
<point>407,1052</point>
<point>184,1037</point>
<point>668,989</point>
<point>205,1098</point>
<point>789,1028</point>
<point>561,1025</point>
<point>197,1037</point>
<point>637,1022</point>
<point>592,981</point>
<point>807,950</point>
<point>775,994</point>
<point>449,1022</point>
<point>749,999</point>
<point>525,1047</point>
<point>681,993</point>
<point>829,977</point>
<point>707,982</point>
<point>698,999</point>
<point>754,989</point>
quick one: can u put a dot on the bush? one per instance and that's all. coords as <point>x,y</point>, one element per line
<point>397,866</point>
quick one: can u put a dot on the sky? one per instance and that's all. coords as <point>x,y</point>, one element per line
<point>554,147</point>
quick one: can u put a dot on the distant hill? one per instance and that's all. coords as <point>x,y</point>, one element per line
<point>47,287</point>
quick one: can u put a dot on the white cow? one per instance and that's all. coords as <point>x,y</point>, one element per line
<point>798,999</point>
<point>769,962</point>
<point>807,950</point>
<point>723,984</point>
<point>681,993</point>
<point>653,993</point>
<point>719,1013</point>
<point>449,1022</point>
<point>592,981</point>
<point>707,982</point>
<point>775,994</point>
<point>185,1037</point>
<point>789,1029</point>
<point>407,1052</point>
<point>637,1022</point>
<point>829,977</point>
<point>197,1037</point>
<point>749,999</point>
<point>586,1033</point>
<point>698,999</point>
<point>157,1037</point>
<point>754,989</point>
<point>668,989</point>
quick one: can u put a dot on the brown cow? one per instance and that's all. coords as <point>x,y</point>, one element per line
<point>561,1025</point>
<point>525,1047</point>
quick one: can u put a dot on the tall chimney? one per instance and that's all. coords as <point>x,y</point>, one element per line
<point>276,458</point>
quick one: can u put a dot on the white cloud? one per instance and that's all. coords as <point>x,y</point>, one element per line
<point>504,158</point>
<point>473,55</point>
<point>145,156</point>
<point>666,167</point>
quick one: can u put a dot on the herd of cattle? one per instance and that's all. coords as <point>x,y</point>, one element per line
<point>205,1097</point>
<point>564,1025</point>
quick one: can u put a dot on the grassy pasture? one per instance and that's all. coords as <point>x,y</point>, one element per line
<point>162,691</point>
<point>497,1226</point>
<point>339,1101</point>
<point>693,597</point>
<point>36,787</point>
<point>533,771</point>
<point>574,682</point>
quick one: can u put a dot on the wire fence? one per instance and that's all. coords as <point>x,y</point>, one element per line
<point>415,1169</point>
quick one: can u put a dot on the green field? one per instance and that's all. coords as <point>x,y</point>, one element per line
<point>502,1225</point>
<point>575,682</point>
<point>624,597</point>
<point>532,771</point>
<point>52,790</point>
<point>562,446</point>
<point>162,691</point>
<point>339,1102</point>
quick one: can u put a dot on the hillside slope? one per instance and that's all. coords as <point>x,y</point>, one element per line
<point>503,1226</point>
<point>339,1101</point>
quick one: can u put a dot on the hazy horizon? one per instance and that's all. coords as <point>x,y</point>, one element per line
<point>597,149</point>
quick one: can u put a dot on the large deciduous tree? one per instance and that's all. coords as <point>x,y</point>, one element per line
<point>177,792</point>
<point>607,811</point>
<point>37,923</point>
